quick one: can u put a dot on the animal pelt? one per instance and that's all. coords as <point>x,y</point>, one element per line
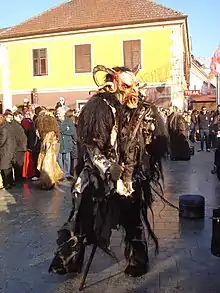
<point>96,120</point>
<point>94,128</point>
<point>179,146</point>
<point>139,144</point>
<point>176,124</point>
<point>46,123</point>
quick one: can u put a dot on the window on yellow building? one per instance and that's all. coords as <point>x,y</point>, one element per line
<point>40,62</point>
<point>83,58</point>
<point>132,53</point>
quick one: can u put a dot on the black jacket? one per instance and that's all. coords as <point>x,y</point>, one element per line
<point>204,121</point>
<point>216,121</point>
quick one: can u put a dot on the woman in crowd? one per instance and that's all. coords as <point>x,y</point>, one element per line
<point>29,169</point>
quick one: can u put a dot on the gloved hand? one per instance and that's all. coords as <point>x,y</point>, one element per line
<point>115,171</point>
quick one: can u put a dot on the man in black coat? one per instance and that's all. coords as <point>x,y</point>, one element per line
<point>7,152</point>
<point>20,145</point>
<point>204,121</point>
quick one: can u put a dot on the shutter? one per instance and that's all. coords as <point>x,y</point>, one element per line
<point>83,58</point>
<point>132,53</point>
<point>35,53</point>
<point>127,51</point>
<point>35,67</point>
<point>43,53</point>
<point>43,61</point>
<point>35,61</point>
<point>43,66</point>
<point>136,53</point>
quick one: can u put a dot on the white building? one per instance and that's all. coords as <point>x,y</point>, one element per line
<point>202,91</point>
<point>199,78</point>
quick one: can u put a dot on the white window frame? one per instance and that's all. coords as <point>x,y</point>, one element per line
<point>32,60</point>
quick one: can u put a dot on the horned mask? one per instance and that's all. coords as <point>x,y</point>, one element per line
<point>123,83</point>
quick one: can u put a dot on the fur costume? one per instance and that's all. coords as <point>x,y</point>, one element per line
<point>123,139</point>
<point>48,131</point>
<point>179,146</point>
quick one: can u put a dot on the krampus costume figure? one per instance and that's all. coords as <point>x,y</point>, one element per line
<point>123,139</point>
<point>177,128</point>
<point>48,132</point>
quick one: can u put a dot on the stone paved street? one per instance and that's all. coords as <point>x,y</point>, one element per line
<point>29,219</point>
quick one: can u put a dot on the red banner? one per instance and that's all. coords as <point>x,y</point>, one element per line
<point>192,93</point>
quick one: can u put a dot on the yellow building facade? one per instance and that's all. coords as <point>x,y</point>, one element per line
<point>60,64</point>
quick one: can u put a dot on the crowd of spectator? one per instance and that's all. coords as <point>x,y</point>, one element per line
<point>21,142</point>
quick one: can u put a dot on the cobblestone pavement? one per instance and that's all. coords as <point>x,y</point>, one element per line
<point>29,219</point>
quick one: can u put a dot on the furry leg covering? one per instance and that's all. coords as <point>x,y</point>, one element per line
<point>136,250</point>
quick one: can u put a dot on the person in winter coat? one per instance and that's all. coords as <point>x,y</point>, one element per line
<point>67,132</point>
<point>30,162</point>
<point>74,152</point>
<point>193,125</point>
<point>204,120</point>
<point>7,152</point>
<point>20,145</point>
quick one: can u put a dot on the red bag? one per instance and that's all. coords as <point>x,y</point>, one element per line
<point>28,166</point>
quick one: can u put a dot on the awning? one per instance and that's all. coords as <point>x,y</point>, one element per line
<point>202,99</point>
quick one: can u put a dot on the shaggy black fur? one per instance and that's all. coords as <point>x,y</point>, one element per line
<point>94,129</point>
<point>97,213</point>
<point>179,146</point>
<point>96,121</point>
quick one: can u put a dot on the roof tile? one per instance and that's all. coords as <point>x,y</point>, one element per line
<point>86,14</point>
<point>2,30</point>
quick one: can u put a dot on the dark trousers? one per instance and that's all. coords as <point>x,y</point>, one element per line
<point>7,177</point>
<point>212,140</point>
<point>18,165</point>
<point>204,138</point>
<point>217,157</point>
<point>192,135</point>
<point>35,156</point>
<point>73,168</point>
<point>217,153</point>
<point>136,250</point>
<point>64,160</point>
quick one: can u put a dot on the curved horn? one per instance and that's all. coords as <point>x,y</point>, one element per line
<point>136,69</point>
<point>99,68</point>
<point>108,86</point>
